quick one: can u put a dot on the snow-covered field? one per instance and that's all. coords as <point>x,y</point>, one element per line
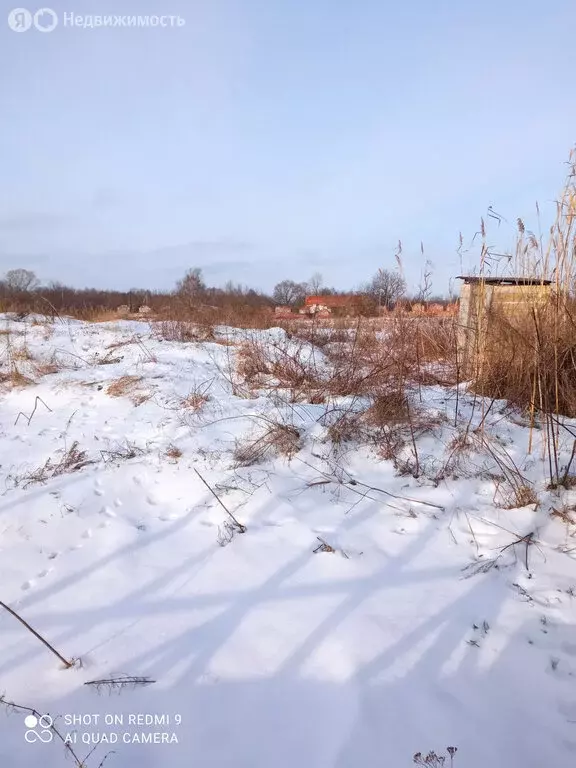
<point>264,652</point>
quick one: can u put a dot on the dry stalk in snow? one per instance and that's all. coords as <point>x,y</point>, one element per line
<point>72,461</point>
<point>29,418</point>
<point>238,526</point>
<point>119,682</point>
<point>67,664</point>
<point>278,438</point>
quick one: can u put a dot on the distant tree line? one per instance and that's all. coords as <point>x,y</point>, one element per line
<point>20,289</point>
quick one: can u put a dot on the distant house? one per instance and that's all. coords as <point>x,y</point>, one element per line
<point>327,305</point>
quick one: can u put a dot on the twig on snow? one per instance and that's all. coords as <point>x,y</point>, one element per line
<point>29,418</point>
<point>67,664</point>
<point>238,525</point>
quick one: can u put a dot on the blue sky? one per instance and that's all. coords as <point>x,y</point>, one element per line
<point>269,139</point>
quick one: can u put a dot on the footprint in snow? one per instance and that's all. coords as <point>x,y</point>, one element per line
<point>44,573</point>
<point>87,534</point>
<point>108,512</point>
<point>28,584</point>
<point>53,555</point>
<point>559,670</point>
<point>167,518</point>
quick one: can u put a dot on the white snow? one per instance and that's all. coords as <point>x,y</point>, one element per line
<point>263,652</point>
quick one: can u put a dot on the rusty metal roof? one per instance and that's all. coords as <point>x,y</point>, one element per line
<point>504,280</point>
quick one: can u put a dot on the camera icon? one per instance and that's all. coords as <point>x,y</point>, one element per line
<point>38,729</point>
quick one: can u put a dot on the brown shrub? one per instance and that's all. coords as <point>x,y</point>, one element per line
<point>72,460</point>
<point>388,408</point>
<point>279,439</point>
<point>123,386</point>
<point>173,452</point>
<point>14,378</point>
<point>128,386</point>
<point>184,331</point>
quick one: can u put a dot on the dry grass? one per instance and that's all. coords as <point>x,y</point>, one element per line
<point>73,459</point>
<point>512,495</point>
<point>194,400</point>
<point>184,331</point>
<point>530,360</point>
<point>173,452</point>
<point>122,450</point>
<point>278,439</point>
<point>98,315</point>
<point>47,368</point>
<point>308,375</point>
<point>528,356</point>
<point>124,386</point>
<point>129,386</point>
<point>388,408</point>
<point>347,428</point>
<point>15,379</point>
<point>288,368</point>
<point>566,513</point>
<point>21,353</point>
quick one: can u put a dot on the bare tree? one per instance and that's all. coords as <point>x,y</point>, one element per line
<point>425,288</point>
<point>315,284</point>
<point>289,293</point>
<point>192,285</point>
<point>386,287</point>
<point>21,280</point>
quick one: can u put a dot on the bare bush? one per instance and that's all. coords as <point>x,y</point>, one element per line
<point>277,439</point>
<point>184,331</point>
<point>122,450</point>
<point>73,459</point>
